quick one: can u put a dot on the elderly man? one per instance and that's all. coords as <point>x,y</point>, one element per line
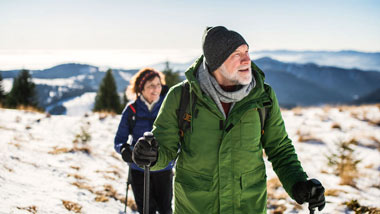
<point>233,116</point>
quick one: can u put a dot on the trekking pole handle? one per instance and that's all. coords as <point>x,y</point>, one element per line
<point>313,191</point>
<point>149,137</point>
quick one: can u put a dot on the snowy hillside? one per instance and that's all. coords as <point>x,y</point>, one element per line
<point>50,164</point>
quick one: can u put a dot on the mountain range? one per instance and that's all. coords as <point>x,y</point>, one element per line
<point>369,61</point>
<point>296,84</point>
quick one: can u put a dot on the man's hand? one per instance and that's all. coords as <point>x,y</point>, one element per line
<point>145,153</point>
<point>126,153</point>
<point>310,191</point>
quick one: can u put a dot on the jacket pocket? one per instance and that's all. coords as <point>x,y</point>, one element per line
<point>253,190</point>
<point>193,180</point>
<point>250,178</point>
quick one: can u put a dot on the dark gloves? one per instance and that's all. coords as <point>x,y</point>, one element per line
<point>126,153</point>
<point>310,191</point>
<point>145,152</point>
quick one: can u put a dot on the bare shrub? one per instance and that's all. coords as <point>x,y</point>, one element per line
<point>81,140</point>
<point>83,137</point>
<point>344,162</point>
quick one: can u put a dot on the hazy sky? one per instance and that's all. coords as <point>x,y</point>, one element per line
<point>179,24</point>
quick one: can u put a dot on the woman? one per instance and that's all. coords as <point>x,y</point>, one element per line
<point>137,118</point>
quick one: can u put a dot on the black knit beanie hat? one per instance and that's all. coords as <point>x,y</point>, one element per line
<point>218,43</point>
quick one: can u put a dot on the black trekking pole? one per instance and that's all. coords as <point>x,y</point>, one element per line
<point>129,179</point>
<point>149,137</point>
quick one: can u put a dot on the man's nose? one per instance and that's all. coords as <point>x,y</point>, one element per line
<point>246,59</point>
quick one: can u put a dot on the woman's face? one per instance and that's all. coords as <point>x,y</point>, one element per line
<point>152,90</point>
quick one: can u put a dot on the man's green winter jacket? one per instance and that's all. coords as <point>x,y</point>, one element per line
<point>220,169</point>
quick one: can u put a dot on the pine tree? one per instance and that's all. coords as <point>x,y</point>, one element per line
<point>107,98</point>
<point>171,77</point>
<point>23,92</point>
<point>125,101</point>
<point>2,93</point>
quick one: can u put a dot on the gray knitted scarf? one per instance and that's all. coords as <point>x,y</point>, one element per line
<point>210,86</point>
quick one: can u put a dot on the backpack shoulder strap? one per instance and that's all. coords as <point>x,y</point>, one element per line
<point>263,114</point>
<point>183,114</point>
<point>132,116</point>
<point>264,111</point>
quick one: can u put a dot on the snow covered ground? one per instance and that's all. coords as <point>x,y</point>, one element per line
<point>48,163</point>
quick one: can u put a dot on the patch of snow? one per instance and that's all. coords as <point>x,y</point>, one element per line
<point>126,76</point>
<point>7,84</point>
<point>80,105</point>
<point>55,82</point>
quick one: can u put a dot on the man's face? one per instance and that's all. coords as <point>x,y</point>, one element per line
<point>236,70</point>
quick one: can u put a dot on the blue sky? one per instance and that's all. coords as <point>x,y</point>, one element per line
<point>125,24</point>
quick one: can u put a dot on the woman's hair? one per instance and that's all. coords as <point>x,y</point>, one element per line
<point>137,82</point>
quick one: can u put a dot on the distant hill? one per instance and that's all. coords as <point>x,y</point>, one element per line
<point>347,59</point>
<point>373,97</point>
<point>349,83</point>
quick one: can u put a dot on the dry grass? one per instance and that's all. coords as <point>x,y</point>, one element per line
<point>107,193</point>
<point>116,156</point>
<point>75,167</point>
<point>8,169</point>
<point>72,206</point>
<point>376,141</point>
<point>308,138</point>
<point>358,209</point>
<point>76,176</point>
<point>104,114</point>
<point>109,178</point>
<point>57,150</point>
<point>30,109</point>
<point>336,126</point>
<point>363,115</point>
<point>82,185</point>
<point>297,111</point>
<point>333,192</point>
<point>31,209</point>
<point>280,209</point>
<point>273,185</point>
<point>324,171</point>
<point>114,172</point>
<point>101,198</point>
<point>18,146</point>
